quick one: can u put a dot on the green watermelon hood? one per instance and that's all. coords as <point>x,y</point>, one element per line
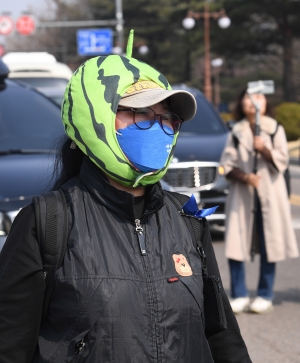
<point>89,110</point>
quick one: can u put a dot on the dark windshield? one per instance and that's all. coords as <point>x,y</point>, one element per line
<point>205,122</point>
<point>39,82</point>
<point>27,120</point>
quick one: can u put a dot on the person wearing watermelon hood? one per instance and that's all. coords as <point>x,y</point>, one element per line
<point>129,287</point>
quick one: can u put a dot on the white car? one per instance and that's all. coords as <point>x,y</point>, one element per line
<point>40,70</point>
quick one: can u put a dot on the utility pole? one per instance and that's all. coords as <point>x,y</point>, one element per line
<point>189,23</point>
<point>207,70</point>
<point>119,26</point>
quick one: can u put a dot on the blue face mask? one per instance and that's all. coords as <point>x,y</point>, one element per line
<point>148,150</point>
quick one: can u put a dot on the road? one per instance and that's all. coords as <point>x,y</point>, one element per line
<point>274,337</point>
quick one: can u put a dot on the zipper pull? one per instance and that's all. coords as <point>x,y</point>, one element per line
<point>78,349</point>
<point>139,231</point>
<point>79,346</point>
<point>218,283</point>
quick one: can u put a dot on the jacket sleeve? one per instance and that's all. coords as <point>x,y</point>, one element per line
<point>21,290</point>
<point>229,157</point>
<point>227,346</point>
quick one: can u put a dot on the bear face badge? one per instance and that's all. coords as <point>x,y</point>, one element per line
<point>181,265</point>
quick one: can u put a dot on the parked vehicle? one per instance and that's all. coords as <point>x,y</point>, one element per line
<point>40,70</point>
<point>29,124</point>
<point>195,168</point>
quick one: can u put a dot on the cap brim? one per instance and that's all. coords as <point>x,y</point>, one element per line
<point>182,103</point>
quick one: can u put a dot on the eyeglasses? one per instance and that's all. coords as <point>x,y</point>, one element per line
<point>144,118</point>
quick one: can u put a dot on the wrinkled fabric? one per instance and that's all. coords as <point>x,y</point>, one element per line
<point>116,304</point>
<point>118,301</point>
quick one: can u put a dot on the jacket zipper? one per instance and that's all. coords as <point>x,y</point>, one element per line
<point>139,231</point>
<point>78,349</point>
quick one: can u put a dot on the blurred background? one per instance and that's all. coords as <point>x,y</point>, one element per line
<point>212,48</point>
<point>262,41</point>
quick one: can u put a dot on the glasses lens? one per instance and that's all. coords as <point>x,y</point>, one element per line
<point>144,117</point>
<point>171,123</point>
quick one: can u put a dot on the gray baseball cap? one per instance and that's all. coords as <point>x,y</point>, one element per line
<point>148,93</point>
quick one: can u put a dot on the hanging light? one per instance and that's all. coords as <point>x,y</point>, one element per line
<point>224,22</point>
<point>188,23</point>
<point>217,62</point>
<point>143,49</point>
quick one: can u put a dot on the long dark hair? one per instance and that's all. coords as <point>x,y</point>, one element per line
<point>238,113</point>
<point>67,162</point>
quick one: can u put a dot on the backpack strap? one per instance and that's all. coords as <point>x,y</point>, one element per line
<point>235,141</point>
<point>52,230</point>
<point>274,133</point>
<point>194,225</point>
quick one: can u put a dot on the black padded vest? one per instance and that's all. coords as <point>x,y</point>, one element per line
<point>111,303</point>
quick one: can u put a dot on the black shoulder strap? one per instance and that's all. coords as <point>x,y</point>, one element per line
<point>274,133</point>
<point>52,229</point>
<point>194,225</point>
<point>286,173</point>
<point>235,141</point>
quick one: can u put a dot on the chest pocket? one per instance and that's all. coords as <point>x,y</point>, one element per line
<point>196,290</point>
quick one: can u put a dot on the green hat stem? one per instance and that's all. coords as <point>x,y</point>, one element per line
<point>130,44</point>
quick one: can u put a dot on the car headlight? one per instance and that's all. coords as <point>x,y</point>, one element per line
<point>221,170</point>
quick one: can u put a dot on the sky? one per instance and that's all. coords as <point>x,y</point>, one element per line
<point>16,7</point>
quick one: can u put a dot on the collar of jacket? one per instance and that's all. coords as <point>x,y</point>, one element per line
<point>243,132</point>
<point>267,124</point>
<point>118,201</point>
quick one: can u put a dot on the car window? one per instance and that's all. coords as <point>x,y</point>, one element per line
<point>205,121</point>
<point>57,99</point>
<point>44,81</point>
<point>27,120</point>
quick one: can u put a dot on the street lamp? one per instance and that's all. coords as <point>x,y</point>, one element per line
<point>189,23</point>
<point>143,49</point>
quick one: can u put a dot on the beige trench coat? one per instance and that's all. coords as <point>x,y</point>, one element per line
<point>278,230</point>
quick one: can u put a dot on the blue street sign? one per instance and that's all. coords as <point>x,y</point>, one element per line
<point>94,41</point>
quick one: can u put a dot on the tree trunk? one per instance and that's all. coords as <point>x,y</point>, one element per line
<point>288,84</point>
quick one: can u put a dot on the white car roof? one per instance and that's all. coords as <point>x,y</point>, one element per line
<point>35,64</point>
<point>28,57</point>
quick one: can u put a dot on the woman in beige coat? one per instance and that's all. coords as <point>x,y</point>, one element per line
<point>276,239</point>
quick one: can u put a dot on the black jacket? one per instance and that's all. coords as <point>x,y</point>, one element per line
<point>108,295</point>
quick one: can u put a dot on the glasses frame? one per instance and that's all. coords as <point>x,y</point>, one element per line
<point>157,116</point>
